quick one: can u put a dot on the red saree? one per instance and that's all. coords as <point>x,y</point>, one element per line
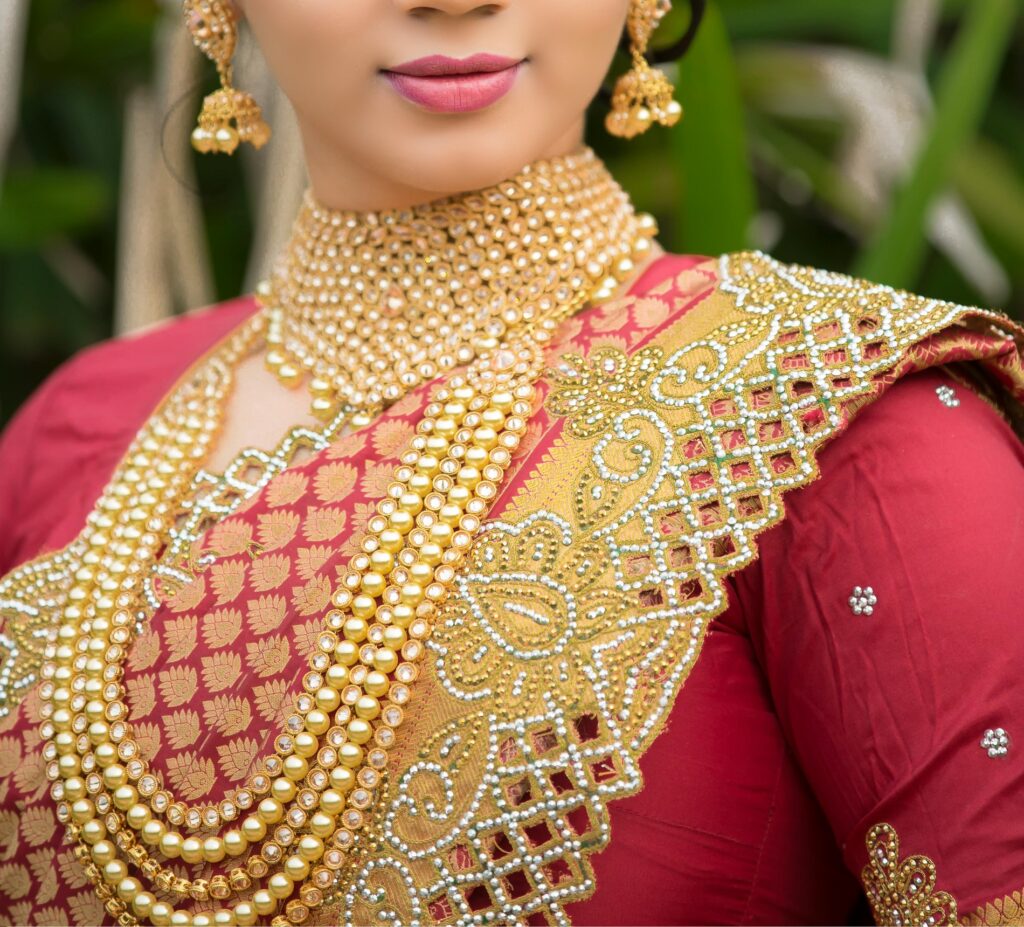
<point>823,721</point>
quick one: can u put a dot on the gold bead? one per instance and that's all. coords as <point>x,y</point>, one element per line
<point>373,583</point>
<point>342,778</point>
<point>128,888</point>
<point>114,871</point>
<point>317,721</point>
<point>69,765</point>
<point>270,810</point>
<point>296,867</point>
<point>152,832</point>
<point>305,744</point>
<point>235,843</point>
<point>82,810</point>
<point>103,852</point>
<point>322,824</point>
<point>125,797</point>
<point>283,789</point>
<point>137,815</point>
<point>94,830</point>
<point>311,847</point>
<point>336,676</point>
<point>295,767</point>
<point>245,914</point>
<point>376,683</point>
<point>170,844</point>
<point>359,732</point>
<point>346,653</point>
<point>160,914</point>
<point>327,699</point>
<point>351,755</point>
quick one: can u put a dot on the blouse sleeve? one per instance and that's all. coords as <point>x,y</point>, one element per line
<point>60,449</point>
<point>887,614</point>
<point>17,444</point>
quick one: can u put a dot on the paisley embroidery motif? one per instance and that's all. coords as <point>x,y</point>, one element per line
<point>902,892</point>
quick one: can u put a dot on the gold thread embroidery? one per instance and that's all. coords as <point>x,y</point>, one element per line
<point>582,610</point>
<point>903,892</point>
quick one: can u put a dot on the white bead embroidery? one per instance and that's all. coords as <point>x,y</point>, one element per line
<point>947,396</point>
<point>609,609</point>
<point>996,742</point>
<point>863,600</point>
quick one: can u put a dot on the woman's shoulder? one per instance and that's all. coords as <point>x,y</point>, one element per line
<point>153,357</point>
<point>109,380</point>
<point>63,443</point>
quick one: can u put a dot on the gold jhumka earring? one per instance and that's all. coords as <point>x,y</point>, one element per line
<point>643,95</point>
<point>229,116</point>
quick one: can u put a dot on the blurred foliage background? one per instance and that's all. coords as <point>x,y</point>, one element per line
<point>879,137</point>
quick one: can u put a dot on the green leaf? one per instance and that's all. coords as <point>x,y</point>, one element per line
<point>710,146</point>
<point>898,251</point>
<point>38,205</point>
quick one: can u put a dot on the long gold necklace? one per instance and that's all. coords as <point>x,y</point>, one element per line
<point>308,804</point>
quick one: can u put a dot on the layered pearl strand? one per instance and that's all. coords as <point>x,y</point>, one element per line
<point>315,792</point>
<point>365,306</point>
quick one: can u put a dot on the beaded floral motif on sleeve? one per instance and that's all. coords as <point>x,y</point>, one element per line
<point>902,892</point>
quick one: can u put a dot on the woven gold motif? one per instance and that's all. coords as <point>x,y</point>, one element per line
<point>903,891</point>
<point>998,913</point>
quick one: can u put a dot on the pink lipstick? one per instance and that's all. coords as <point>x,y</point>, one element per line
<point>453,85</point>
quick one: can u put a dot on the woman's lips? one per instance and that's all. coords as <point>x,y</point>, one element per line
<point>451,85</point>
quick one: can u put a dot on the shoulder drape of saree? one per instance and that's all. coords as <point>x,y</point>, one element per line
<point>674,428</point>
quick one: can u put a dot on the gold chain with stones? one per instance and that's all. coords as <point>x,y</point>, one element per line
<point>365,307</point>
<point>323,774</point>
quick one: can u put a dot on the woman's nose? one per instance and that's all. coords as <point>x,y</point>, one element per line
<point>451,7</point>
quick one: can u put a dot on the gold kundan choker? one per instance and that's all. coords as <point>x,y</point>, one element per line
<point>363,306</point>
<point>367,306</point>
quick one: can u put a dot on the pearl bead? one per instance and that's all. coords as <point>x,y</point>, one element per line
<point>264,902</point>
<point>279,885</point>
<point>192,850</point>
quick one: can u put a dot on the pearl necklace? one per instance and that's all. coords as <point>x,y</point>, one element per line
<point>319,784</point>
<point>365,306</point>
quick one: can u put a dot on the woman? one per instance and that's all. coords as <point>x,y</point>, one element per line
<point>587,584</point>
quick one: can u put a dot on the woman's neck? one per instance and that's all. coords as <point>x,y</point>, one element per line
<point>345,184</point>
